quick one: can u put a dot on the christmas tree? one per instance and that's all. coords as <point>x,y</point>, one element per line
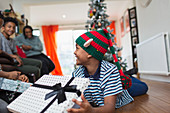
<point>98,20</point>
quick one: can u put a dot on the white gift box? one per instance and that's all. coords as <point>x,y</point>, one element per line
<point>33,99</point>
<point>11,85</point>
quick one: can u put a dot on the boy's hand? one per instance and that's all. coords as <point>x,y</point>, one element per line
<point>14,75</point>
<point>85,106</point>
<point>18,60</point>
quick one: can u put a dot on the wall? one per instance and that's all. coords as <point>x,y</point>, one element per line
<point>4,4</point>
<point>24,7</point>
<point>153,20</point>
<point>125,41</point>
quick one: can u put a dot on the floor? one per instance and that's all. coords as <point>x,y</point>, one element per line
<point>157,100</point>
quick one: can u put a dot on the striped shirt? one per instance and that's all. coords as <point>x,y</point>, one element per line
<point>108,83</point>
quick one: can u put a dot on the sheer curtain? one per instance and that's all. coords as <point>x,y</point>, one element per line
<point>66,47</point>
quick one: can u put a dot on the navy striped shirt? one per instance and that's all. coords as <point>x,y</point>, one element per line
<point>106,84</point>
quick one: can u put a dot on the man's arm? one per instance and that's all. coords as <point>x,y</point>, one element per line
<point>37,47</point>
<point>85,107</point>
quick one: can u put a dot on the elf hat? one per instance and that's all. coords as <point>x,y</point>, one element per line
<point>96,43</point>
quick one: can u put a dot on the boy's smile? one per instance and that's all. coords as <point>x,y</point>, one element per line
<point>81,55</point>
<point>8,29</point>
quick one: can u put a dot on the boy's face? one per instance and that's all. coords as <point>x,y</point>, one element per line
<point>81,55</point>
<point>9,28</point>
<point>28,33</point>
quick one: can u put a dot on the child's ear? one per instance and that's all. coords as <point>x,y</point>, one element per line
<point>2,28</point>
<point>89,56</point>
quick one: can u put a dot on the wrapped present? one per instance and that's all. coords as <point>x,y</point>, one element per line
<point>50,94</point>
<point>14,85</point>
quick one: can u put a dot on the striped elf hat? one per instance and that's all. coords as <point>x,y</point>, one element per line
<point>96,43</point>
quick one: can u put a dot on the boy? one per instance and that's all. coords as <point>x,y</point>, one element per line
<point>7,44</point>
<point>10,75</point>
<point>105,92</point>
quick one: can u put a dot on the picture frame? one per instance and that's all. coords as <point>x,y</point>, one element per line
<point>134,41</point>
<point>135,51</point>
<point>126,21</point>
<point>132,13</point>
<point>122,26</point>
<point>133,22</point>
<point>134,31</point>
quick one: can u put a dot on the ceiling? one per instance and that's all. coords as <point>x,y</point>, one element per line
<point>69,12</point>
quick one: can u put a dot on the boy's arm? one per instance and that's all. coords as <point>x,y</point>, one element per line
<point>85,107</point>
<point>10,75</point>
<point>109,105</point>
<point>14,75</point>
<point>6,55</point>
<point>16,57</point>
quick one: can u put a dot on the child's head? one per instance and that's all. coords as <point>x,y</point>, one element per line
<point>95,43</point>
<point>27,31</point>
<point>9,26</point>
<point>10,19</point>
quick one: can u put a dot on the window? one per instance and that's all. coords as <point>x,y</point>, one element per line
<point>36,32</point>
<point>65,49</point>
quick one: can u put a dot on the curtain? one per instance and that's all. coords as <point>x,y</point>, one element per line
<point>51,46</point>
<point>112,26</point>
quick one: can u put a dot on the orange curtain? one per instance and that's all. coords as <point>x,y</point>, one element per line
<point>112,26</point>
<point>51,46</point>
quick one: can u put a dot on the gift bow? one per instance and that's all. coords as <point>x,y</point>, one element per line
<point>59,92</point>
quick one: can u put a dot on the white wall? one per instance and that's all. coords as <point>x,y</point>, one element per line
<point>153,20</point>
<point>127,50</point>
<point>4,4</point>
<point>125,41</point>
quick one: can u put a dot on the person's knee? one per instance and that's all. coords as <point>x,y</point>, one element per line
<point>8,68</point>
<point>39,64</point>
<point>35,71</point>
